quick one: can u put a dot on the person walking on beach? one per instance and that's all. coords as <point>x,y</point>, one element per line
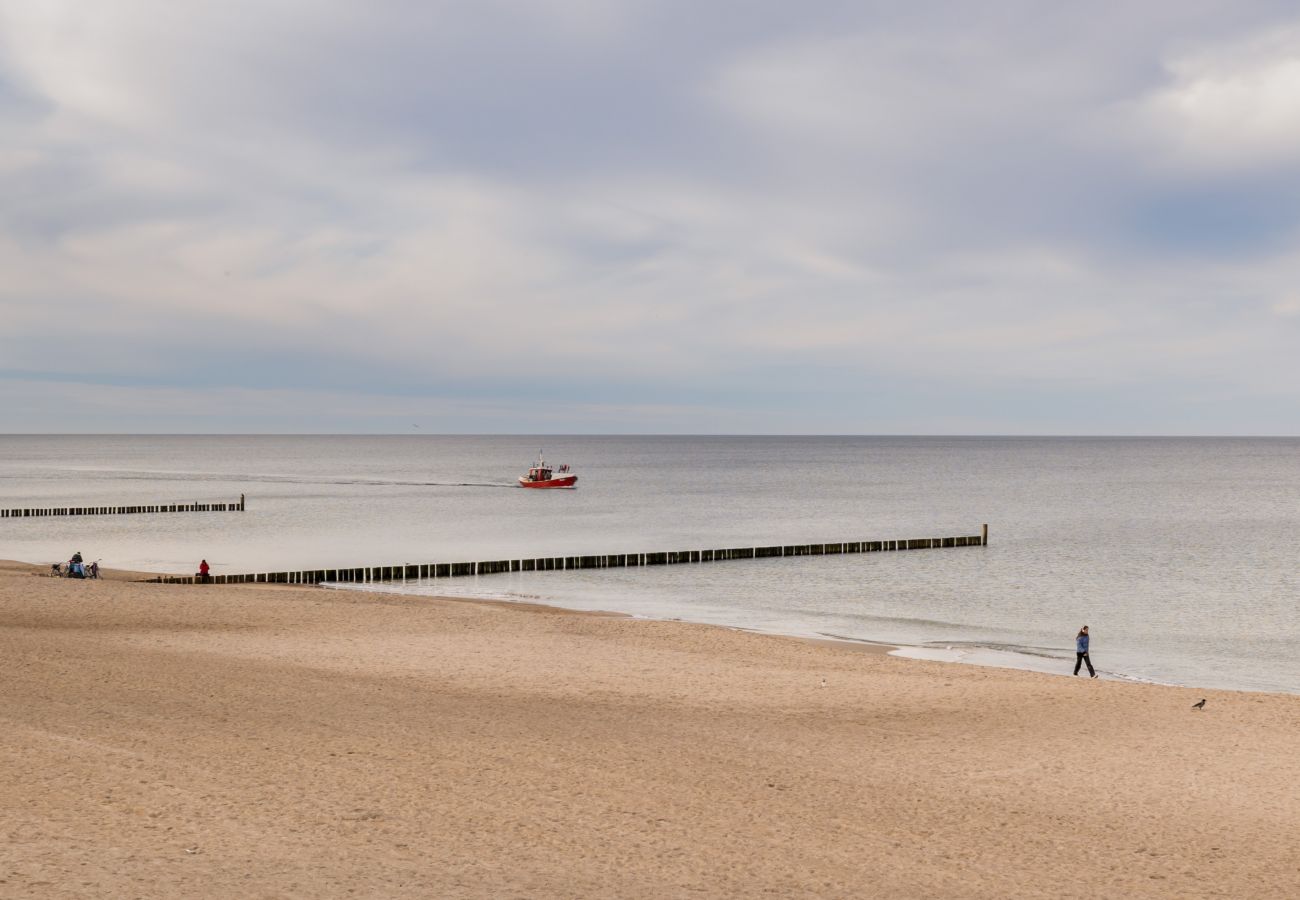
<point>1081,652</point>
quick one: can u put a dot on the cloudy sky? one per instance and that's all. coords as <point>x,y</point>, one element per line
<point>663,216</point>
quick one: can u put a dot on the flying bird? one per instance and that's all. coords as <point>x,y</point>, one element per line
<point>1200,705</point>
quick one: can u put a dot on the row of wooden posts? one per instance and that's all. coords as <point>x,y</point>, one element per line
<point>122,510</point>
<point>415,571</point>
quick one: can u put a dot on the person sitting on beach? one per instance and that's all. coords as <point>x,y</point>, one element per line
<point>75,569</point>
<point>203,569</point>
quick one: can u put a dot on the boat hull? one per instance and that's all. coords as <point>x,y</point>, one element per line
<point>566,481</point>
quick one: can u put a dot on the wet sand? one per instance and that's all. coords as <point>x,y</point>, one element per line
<point>242,741</point>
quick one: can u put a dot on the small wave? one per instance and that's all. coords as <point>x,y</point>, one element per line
<point>1138,679</point>
<point>1004,647</point>
<point>855,640</point>
<point>898,620</point>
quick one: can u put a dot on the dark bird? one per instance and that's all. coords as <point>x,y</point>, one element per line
<point>1200,705</point>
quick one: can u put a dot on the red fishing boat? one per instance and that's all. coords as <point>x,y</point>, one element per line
<point>543,476</point>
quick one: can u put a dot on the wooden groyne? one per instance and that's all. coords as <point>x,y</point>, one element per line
<point>416,571</point>
<point>123,510</point>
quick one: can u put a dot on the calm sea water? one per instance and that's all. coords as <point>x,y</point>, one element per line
<point>1181,554</point>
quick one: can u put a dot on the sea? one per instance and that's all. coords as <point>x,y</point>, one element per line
<point>1181,554</point>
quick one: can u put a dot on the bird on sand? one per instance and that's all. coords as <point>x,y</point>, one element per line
<point>1200,705</point>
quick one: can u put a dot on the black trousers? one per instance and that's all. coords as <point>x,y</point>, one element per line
<point>1083,658</point>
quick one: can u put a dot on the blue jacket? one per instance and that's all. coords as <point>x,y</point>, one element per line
<point>1081,643</point>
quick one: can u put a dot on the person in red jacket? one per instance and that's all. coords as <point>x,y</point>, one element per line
<point>203,569</point>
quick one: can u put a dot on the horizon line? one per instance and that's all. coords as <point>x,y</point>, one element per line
<point>659,434</point>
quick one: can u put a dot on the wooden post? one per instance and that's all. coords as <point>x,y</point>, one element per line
<point>410,571</point>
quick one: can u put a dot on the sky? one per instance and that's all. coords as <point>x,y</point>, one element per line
<point>572,216</point>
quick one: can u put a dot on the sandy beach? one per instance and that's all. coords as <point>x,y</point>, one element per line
<point>163,741</point>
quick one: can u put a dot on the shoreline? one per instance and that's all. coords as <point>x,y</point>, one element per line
<point>977,655</point>
<point>951,653</point>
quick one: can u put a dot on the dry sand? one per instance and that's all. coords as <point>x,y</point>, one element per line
<point>236,741</point>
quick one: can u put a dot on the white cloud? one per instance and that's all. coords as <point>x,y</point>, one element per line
<point>1232,106</point>
<point>1288,307</point>
<point>908,92</point>
<point>75,406</point>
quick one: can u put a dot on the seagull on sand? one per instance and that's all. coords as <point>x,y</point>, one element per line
<point>1200,705</point>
